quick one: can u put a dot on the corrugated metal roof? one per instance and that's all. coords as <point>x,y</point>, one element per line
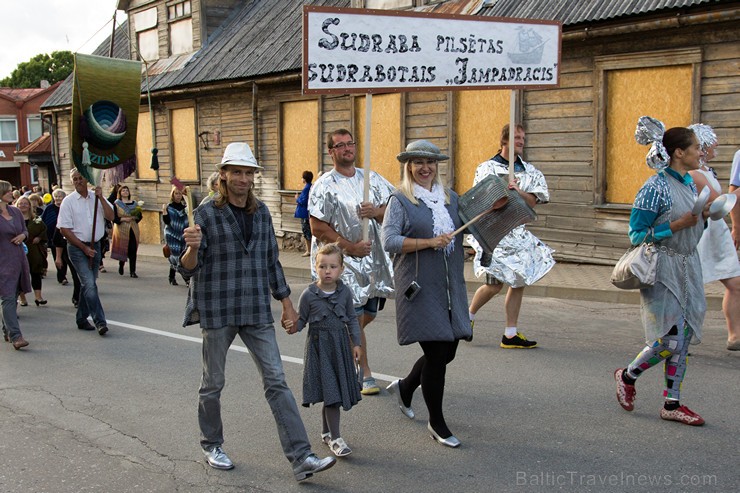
<point>571,12</point>
<point>461,7</point>
<point>262,37</point>
<point>20,94</point>
<point>63,95</point>
<point>42,145</point>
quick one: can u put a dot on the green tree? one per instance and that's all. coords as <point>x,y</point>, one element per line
<point>54,67</point>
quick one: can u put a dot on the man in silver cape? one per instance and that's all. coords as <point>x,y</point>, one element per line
<point>337,210</point>
<point>520,259</point>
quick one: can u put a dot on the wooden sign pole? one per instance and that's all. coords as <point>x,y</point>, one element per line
<point>512,132</point>
<point>366,160</point>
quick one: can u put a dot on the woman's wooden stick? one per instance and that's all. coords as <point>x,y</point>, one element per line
<point>496,205</point>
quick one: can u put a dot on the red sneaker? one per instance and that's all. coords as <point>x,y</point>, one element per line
<point>625,393</point>
<point>683,415</point>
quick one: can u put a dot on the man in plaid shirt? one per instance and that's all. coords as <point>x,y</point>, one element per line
<point>232,260</point>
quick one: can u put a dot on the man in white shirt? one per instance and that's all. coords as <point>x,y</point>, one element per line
<point>76,224</point>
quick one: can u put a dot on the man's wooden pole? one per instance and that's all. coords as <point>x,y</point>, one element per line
<point>92,238</point>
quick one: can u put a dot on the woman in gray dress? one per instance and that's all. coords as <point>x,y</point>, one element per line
<point>428,279</point>
<point>673,308</point>
<point>14,272</point>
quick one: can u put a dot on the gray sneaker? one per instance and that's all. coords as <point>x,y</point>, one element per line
<point>217,458</point>
<point>311,465</point>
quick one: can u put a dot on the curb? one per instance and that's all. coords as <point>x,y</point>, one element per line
<point>583,282</point>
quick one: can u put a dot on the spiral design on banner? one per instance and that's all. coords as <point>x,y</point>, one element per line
<point>106,123</point>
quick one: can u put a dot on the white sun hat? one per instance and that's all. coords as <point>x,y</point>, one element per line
<point>238,154</point>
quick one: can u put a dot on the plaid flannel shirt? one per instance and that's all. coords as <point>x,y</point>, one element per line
<point>232,281</point>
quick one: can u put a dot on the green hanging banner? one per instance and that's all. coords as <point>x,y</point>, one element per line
<point>105,109</point>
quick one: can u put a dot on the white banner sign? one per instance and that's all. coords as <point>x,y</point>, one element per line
<point>367,51</point>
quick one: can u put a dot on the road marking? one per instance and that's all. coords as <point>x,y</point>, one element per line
<point>241,349</point>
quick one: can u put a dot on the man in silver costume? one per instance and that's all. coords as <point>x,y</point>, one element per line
<point>336,210</point>
<point>520,259</point>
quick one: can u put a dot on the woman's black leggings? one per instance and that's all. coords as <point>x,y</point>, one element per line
<point>133,247</point>
<point>36,281</point>
<point>429,372</point>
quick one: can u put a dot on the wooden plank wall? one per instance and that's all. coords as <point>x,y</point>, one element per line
<point>560,135</point>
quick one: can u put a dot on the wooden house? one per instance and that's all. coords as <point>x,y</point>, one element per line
<point>221,71</point>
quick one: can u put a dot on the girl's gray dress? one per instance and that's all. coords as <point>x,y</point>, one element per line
<point>329,373</point>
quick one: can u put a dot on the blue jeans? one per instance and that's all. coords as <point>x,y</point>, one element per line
<point>11,327</point>
<point>262,345</point>
<point>89,304</point>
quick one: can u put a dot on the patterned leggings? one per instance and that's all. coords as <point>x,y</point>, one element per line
<point>673,348</point>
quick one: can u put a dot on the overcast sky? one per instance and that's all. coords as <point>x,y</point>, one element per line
<point>31,27</point>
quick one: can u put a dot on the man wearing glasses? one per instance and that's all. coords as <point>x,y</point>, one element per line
<point>336,210</point>
<point>520,259</point>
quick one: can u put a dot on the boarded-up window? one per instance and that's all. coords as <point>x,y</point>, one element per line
<point>184,144</point>
<point>147,39</point>
<point>148,45</point>
<point>144,148</point>
<point>181,36</point>
<point>632,94</point>
<point>664,84</point>
<point>385,137</point>
<point>479,118</point>
<point>299,140</point>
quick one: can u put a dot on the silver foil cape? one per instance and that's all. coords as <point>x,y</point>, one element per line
<point>650,131</point>
<point>335,199</point>
<point>706,137</point>
<point>520,259</point>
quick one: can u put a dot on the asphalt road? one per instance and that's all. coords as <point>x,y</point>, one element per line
<point>84,413</point>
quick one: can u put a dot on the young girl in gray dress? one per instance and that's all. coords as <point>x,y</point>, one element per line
<point>332,345</point>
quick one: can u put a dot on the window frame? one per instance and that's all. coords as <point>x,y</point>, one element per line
<point>625,61</point>
<point>138,44</point>
<point>34,117</point>
<point>179,18</point>
<point>148,25</point>
<point>171,39</point>
<point>176,17</point>
<point>34,172</point>
<point>13,119</point>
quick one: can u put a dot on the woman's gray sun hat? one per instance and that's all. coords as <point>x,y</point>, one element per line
<point>238,154</point>
<point>422,149</point>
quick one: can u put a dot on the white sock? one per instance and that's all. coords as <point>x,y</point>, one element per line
<point>471,315</point>
<point>510,332</point>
